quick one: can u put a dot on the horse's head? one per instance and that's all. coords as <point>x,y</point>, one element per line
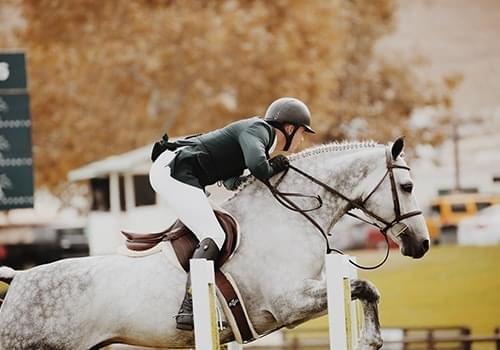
<point>352,176</point>
<point>392,203</point>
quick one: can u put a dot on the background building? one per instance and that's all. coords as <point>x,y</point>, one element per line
<point>122,199</point>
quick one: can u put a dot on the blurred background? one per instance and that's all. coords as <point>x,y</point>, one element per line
<point>87,86</point>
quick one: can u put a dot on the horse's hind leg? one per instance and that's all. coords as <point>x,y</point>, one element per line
<point>369,296</point>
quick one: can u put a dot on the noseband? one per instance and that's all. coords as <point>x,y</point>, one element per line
<point>282,198</point>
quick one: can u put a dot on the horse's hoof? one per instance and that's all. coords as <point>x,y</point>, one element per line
<point>184,322</point>
<point>184,326</point>
<point>373,344</point>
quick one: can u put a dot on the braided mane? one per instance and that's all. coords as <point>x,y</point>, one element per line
<point>335,146</point>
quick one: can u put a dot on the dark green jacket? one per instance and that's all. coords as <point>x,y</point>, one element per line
<point>225,153</point>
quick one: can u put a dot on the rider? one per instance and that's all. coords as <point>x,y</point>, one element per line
<point>182,169</point>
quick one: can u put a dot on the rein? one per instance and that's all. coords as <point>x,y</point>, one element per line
<point>282,198</point>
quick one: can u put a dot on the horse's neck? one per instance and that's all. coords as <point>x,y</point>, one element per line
<point>347,172</point>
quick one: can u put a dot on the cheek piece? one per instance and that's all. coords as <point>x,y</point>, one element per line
<point>288,137</point>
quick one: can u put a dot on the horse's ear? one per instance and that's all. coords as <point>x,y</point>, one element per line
<point>397,147</point>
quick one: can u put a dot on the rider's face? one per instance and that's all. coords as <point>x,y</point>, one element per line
<point>298,137</point>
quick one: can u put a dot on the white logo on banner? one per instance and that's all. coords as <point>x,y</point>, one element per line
<point>4,71</point>
<point>4,144</point>
<point>4,107</point>
<point>5,183</point>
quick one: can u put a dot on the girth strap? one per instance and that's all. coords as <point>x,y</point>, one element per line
<point>235,306</point>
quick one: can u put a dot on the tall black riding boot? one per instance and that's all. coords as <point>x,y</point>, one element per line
<point>206,249</point>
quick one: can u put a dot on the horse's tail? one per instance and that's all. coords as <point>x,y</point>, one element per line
<point>7,274</point>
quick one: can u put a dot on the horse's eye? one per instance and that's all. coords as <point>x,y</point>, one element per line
<point>407,187</point>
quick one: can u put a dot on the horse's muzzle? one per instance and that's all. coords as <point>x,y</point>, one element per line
<point>413,247</point>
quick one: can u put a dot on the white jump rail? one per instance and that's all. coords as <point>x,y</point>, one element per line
<point>206,332</point>
<point>343,314</point>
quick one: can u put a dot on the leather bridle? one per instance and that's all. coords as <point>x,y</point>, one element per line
<point>282,198</point>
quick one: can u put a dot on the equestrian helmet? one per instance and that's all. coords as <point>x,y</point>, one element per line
<point>289,110</point>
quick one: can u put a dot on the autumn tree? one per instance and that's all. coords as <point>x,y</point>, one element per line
<point>109,76</point>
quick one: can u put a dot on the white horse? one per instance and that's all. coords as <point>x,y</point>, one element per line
<point>86,303</point>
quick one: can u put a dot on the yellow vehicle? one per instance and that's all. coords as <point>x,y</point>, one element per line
<point>448,210</point>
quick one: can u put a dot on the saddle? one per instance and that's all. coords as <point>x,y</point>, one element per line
<point>184,241</point>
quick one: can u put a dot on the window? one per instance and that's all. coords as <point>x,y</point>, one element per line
<point>121,186</point>
<point>100,194</point>
<point>458,208</point>
<point>482,205</point>
<point>144,194</point>
<point>435,209</point>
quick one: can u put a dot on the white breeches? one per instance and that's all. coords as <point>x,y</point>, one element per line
<point>189,203</point>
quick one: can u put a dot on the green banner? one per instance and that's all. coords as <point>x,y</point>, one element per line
<point>16,187</point>
<point>16,162</point>
<point>14,107</point>
<point>12,71</point>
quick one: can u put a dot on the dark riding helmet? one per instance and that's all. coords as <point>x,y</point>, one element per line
<point>289,110</point>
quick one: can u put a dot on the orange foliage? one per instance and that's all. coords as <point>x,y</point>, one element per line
<point>109,76</point>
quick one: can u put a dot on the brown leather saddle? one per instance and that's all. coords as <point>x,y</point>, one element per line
<point>184,241</point>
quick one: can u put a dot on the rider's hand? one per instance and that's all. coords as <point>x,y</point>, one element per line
<point>233,183</point>
<point>279,163</point>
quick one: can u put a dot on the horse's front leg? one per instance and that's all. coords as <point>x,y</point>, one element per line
<point>369,297</point>
<point>307,301</point>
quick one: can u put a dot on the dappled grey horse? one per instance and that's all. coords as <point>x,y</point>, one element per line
<point>86,303</point>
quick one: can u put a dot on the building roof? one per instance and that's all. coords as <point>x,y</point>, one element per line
<point>135,161</point>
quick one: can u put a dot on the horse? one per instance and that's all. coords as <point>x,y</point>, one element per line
<point>279,266</point>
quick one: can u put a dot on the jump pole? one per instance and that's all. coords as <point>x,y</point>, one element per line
<point>206,332</point>
<point>342,313</point>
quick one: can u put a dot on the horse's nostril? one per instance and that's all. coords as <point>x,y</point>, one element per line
<point>425,245</point>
